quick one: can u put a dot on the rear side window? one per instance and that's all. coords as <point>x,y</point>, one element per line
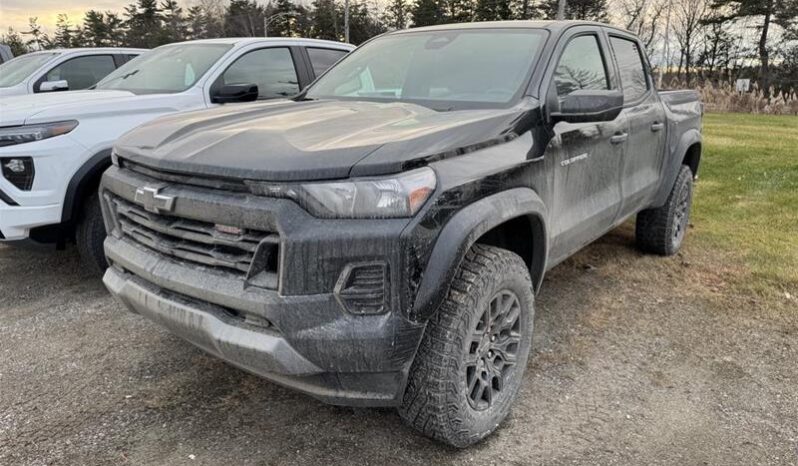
<point>581,67</point>
<point>82,72</point>
<point>271,69</point>
<point>322,59</point>
<point>630,65</point>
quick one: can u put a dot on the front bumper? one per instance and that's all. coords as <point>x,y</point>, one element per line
<point>17,221</point>
<point>307,341</point>
<point>55,161</point>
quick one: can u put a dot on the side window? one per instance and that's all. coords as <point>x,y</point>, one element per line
<point>581,67</point>
<point>630,65</point>
<point>321,59</point>
<point>82,72</point>
<point>271,69</point>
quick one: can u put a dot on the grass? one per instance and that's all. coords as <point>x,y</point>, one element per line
<point>746,199</point>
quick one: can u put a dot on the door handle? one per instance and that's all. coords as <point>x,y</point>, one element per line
<point>657,126</point>
<point>619,138</point>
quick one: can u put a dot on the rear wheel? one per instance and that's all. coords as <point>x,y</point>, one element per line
<point>662,230</point>
<point>470,365</point>
<point>90,235</point>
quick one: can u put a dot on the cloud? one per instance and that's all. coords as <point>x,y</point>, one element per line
<point>15,13</point>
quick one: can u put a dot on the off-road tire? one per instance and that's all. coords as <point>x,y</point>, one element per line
<point>437,401</point>
<point>90,235</point>
<point>662,230</point>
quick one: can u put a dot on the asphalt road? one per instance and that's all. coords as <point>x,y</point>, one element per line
<point>637,360</point>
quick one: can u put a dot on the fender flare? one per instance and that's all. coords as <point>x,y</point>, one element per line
<point>674,162</point>
<point>80,183</point>
<point>465,228</point>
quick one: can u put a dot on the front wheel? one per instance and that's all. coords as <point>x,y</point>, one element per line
<point>90,235</point>
<point>470,364</point>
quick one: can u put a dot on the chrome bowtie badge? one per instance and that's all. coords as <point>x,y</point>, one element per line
<point>152,201</point>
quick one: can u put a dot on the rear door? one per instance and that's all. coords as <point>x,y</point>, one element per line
<point>646,115</point>
<point>321,59</point>
<point>587,156</point>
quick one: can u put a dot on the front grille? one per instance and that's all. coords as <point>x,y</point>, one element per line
<point>197,241</point>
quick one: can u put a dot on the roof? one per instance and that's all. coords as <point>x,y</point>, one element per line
<point>554,26</point>
<point>253,40</point>
<point>91,49</point>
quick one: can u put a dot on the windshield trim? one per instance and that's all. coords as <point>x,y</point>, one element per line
<point>441,104</point>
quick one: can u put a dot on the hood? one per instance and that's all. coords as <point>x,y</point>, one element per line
<point>73,105</point>
<point>290,141</point>
<point>19,89</point>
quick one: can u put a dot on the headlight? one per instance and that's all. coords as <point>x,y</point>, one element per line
<point>391,197</point>
<point>12,135</point>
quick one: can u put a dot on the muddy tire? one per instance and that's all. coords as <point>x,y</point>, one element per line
<point>662,230</point>
<point>90,235</point>
<point>470,364</point>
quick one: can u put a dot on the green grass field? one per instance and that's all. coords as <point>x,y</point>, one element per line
<point>746,199</point>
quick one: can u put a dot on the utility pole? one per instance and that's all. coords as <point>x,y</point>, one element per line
<point>561,10</point>
<point>667,45</point>
<point>346,21</point>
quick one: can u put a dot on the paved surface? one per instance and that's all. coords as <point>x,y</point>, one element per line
<point>637,360</point>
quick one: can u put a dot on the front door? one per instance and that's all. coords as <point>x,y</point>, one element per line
<point>587,156</point>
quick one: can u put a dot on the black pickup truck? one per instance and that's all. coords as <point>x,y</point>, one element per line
<point>378,240</point>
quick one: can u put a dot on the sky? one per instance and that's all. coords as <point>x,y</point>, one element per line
<point>15,13</point>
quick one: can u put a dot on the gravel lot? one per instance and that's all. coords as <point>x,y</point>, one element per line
<point>637,360</point>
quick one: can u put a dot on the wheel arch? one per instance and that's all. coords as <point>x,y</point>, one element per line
<point>687,152</point>
<point>503,220</point>
<point>83,183</point>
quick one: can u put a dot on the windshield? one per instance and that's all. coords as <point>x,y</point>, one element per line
<point>441,69</point>
<point>15,70</point>
<point>165,70</point>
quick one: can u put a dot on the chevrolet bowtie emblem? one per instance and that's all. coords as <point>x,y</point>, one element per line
<point>153,202</point>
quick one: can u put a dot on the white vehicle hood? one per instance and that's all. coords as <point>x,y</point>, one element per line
<point>74,105</point>
<point>13,90</point>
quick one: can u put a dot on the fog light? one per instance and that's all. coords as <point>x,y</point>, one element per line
<point>19,171</point>
<point>363,288</point>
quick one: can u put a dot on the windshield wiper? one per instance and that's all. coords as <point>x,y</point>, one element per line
<point>124,76</point>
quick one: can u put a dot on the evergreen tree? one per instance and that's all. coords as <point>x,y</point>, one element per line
<point>397,14</point>
<point>15,42</point>
<point>95,29</point>
<point>326,17</point>
<point>427,13</point>
<point>244,18</point>
<point>493,10</point>
<point>282,22</point>
<point>765,12</point>
<point>175,28</point>
<point>144,24</point>
<point>363,25</point>
<point>39,40</point>
<point>586,10</point>
<point>65,35</point>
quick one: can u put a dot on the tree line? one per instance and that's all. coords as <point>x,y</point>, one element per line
<point>715,40</point>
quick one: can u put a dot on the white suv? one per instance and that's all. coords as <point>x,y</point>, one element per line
<point>54,147</point>
<point>61,69</point>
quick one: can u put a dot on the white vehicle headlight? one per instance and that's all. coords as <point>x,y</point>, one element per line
<point>390,197</point>
<point>12,135</point>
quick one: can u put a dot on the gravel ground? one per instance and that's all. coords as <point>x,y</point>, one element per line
<point>636,360</point>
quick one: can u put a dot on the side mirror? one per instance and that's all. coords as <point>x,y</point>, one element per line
<point>235,93</point>
<point>586,106</point>
<point>51,86</point>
